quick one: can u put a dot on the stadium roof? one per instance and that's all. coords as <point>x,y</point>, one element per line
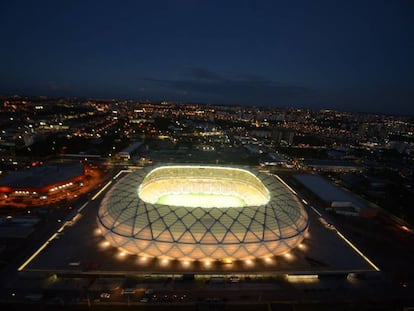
<point>181,232</point>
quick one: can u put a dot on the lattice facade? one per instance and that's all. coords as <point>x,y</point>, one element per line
<point>195,233</point>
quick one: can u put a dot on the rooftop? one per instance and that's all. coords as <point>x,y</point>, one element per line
<point>326,190</point>
<point>42,176</point>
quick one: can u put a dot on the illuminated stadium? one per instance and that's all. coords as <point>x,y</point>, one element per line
<point>190,212</point>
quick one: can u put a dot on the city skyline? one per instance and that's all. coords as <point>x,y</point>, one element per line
<point>347,56</point>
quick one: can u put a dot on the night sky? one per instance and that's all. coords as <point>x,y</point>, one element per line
<point>345,55</point>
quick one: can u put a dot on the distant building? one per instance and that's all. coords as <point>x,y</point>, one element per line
<point>272,159</point>
<point>283,135</point>
<point>329,165</point>
<point>335,198</point>
<point>129,151</point>
<point>276,134</point>
<point>255,149</point>
<point>42,180</point>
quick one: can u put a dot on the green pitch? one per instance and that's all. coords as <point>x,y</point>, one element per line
<point>201,200</point>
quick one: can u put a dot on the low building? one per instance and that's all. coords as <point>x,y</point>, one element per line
<point>334,198</point>
<point>329,165</point>
<point>42,180</point>
<point>129,151</point>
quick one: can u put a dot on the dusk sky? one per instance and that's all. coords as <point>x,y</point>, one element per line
<point>345,55</point>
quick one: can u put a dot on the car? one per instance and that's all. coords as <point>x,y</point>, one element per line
<point>105,295</point>
<point>128,291</point>
<point>144,299</point>
<point>234,279</point>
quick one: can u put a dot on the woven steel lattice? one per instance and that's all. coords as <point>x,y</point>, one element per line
<point>191,233</point>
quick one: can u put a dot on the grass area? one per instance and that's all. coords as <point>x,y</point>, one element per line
<point>201,200</point>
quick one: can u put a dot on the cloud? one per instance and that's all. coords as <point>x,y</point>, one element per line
<point>58,87</point>
<point>206,85</point>
<point>202,74</point>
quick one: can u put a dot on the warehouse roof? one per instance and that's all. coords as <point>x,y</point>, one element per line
<point>43,175</point>
<point>326,190</point>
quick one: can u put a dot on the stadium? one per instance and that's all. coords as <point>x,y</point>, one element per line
<point>198,212</point>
